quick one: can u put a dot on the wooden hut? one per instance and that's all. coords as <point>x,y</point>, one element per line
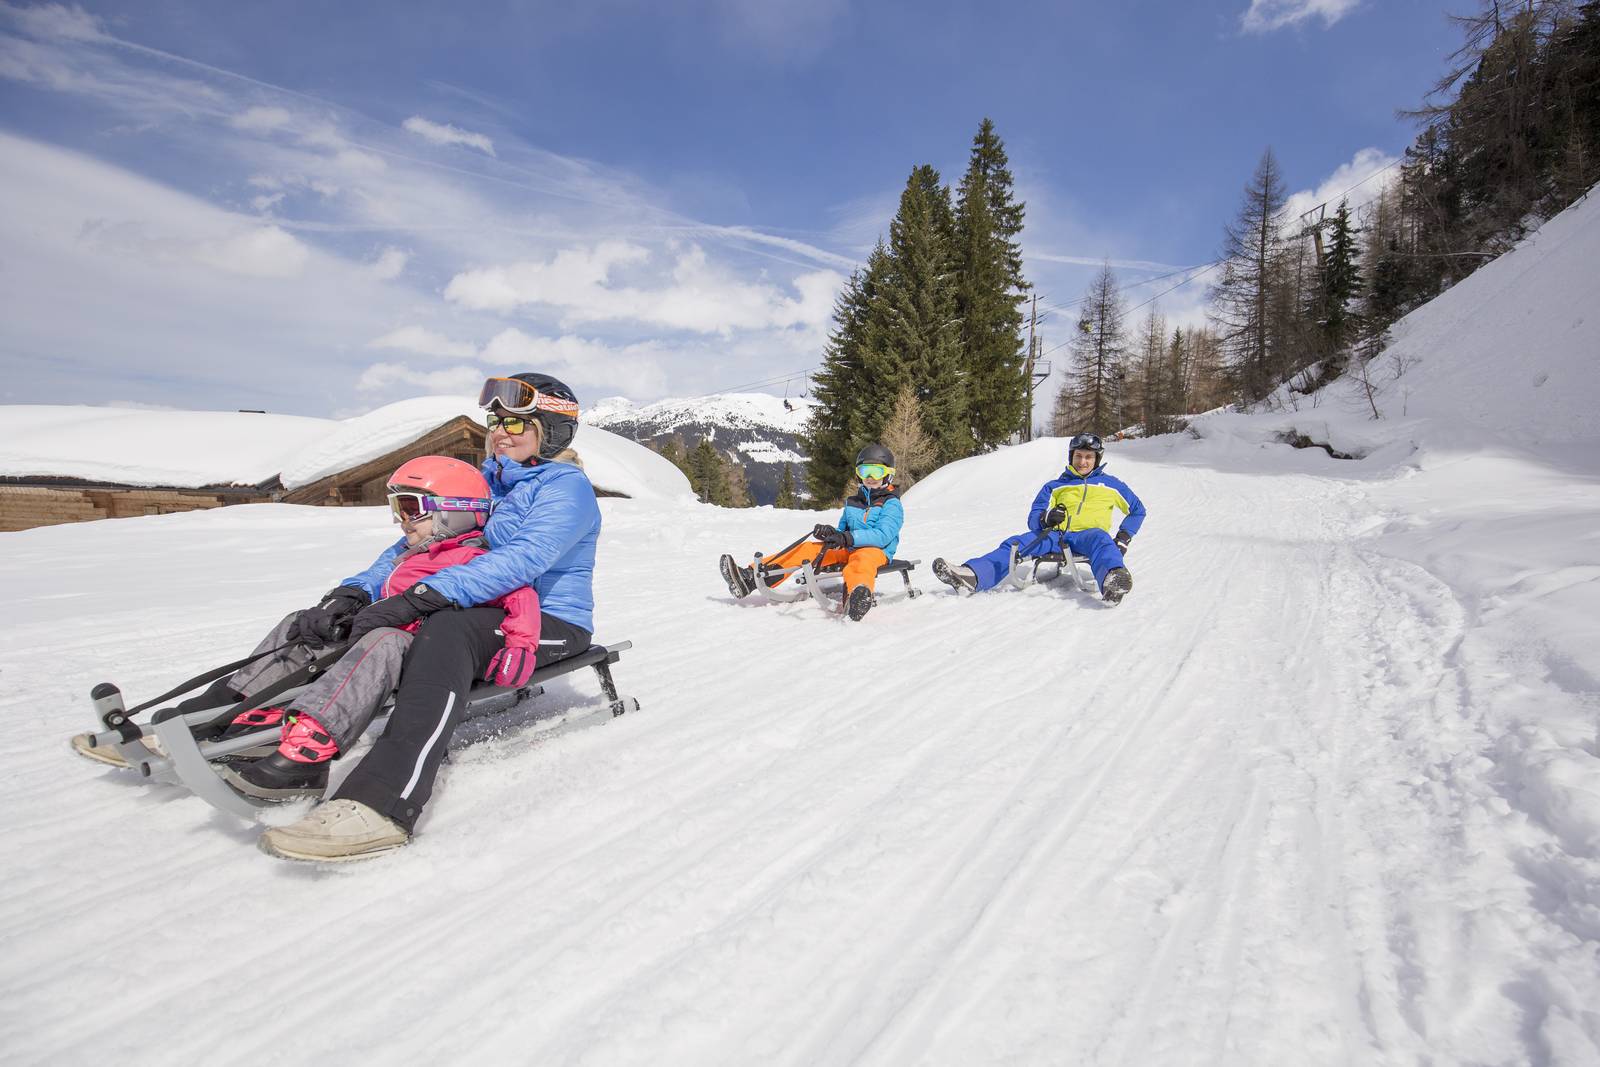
<point>367,483</point>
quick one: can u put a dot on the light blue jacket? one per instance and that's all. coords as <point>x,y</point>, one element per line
<point>542,530</point>
<point>874,518</point>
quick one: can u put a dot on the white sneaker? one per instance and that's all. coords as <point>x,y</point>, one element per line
<point>335,831</point>
<point>957,577</point>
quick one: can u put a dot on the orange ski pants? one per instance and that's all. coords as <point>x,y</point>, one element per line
<point>860,564</point>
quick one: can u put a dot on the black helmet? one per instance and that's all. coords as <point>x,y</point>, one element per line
<point>875,453</point>
<point>542,397</point>
<point>1087,442</point>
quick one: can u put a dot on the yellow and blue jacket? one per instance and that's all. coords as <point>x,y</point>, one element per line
<point>1089,500</point>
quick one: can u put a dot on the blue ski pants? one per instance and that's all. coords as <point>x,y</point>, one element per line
<point>1096,544</point>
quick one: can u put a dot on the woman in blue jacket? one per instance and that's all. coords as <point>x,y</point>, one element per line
<point>865,539</point>
<point>542,530</point>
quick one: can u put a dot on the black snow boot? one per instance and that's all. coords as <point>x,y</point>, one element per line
<point>957,577</point>
<point>1118,584</point>
<point>741,580</point>
<point>859,602</point>
<point>277,777</point>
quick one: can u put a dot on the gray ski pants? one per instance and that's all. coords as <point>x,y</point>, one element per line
<point>347,696</point>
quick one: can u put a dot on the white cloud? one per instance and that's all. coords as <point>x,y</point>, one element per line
<point>1265,16</point>
<point>1356,181</point>
<point>698,296</point>
<point>265,252</point>
<point>575,360</point>
<point>442,133</point>
<point>298,230</point>
<point>385,376</point>
<point>390,264</point>
<point>261,119</point>
<point>56,21</point>
<point>425,341</point>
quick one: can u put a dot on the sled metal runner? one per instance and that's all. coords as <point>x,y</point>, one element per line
<point>185,761</point>
<point>1077,566</point>
<point>806,581</point>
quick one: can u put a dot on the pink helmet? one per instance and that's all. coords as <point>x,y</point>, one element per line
<point>458,494</point>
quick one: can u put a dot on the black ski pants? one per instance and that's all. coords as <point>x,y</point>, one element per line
<point>452,649</point>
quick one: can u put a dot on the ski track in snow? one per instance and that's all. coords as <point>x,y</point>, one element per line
<point>1253,815</point>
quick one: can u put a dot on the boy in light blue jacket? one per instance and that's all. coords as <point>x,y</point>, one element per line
<point>865,538</point>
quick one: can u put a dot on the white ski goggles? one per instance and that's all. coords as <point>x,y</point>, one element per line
<point>409,507</point>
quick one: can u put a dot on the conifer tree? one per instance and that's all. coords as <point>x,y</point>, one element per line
<point>786,494</point>
<point>736,484</point>
<point>842,417</point>
<point>990,292</point>
<point>1090,398</point>
<point>1152,375</point>
<point>913,329</point>
<point>1252,253</point>
<point>1339,281</point>
<point>706,474</point>
<point>915,454</point>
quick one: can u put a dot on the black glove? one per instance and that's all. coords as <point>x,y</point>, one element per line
<point>1053,518</point>
<point>320,625</point>
<point>399,610</point>
<point>1122,539</point>
<point>830,536</point>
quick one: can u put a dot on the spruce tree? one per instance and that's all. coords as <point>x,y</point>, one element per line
<point>990,292</point>
<point>1339,281</point>
<point>913,331</point>
<point>706,474</point>
<point>786,494</point>
<point>842,387</point>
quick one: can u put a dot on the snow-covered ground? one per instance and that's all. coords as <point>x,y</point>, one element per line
<point>1324,790</point>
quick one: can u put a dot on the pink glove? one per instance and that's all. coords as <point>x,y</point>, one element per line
<point>511,666</point>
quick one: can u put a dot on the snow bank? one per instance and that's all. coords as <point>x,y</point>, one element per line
<point>1512,349</point>
<point>186,449</point>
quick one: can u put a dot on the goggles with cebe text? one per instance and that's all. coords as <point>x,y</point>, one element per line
<point>874,470</point>
<point>409,507</point>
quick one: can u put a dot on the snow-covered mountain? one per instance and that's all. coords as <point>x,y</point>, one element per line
<point>759,430</point>
<point>1324,790</point>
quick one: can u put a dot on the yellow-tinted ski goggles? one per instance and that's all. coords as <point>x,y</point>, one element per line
<point>874,471</point>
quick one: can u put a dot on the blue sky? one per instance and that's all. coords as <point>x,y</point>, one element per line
<point>318,208</point>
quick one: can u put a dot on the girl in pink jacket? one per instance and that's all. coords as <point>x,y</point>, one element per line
<point>441,504</point>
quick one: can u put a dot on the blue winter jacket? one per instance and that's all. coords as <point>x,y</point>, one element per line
<point>542,530</point>
<point>874,518</point>
<point>1089,500</point>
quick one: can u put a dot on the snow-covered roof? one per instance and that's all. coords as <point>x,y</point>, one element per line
<point>139,446</point>
<point>357,440</point>
<point>189,449</point>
